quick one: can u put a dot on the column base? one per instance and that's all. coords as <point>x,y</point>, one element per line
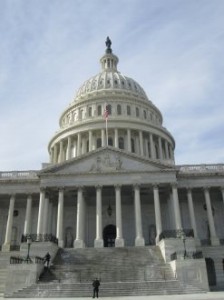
<point>139,241</point>
<point>6,247</point>
<point>197,241</point>
<point>98,243</point>
<point>60,243</point>
<point>215,241</point>
<point>119,242</point>
<point>79,244</point>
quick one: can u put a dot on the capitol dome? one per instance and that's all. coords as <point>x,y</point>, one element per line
<point>134,122</point>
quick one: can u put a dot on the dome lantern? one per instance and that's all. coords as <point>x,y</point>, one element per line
<point>109,61</point>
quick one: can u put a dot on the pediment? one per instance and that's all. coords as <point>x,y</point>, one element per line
<point>106,160</point>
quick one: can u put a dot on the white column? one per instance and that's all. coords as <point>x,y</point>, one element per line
<point>176,207</point>
<point>78,144</point>
<point>139,240</point>
<point>90,140</point>
<point>119,241</point>
<point>157,212</point>
<point>103,138</point>
<point>152,147</point>
<point>60,218</point>
<point>45,214</point>
<point>52,155</point>
<point>55,160</point>
<point>68,152</point>
<point>166,150</point>
<point>160,148</point>
<point>222,191</point>
<point>61,152</point>
<point>7,242</point>
<point>116,138</point>
<point>213,235</point>
<point>141,143</point>
<point>40,214</point>
<point>129,139</point>
<point>27,223</point>
<point>98,243</point>
<point>192,215</point>
<point>79,243</point>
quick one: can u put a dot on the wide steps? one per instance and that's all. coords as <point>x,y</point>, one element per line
<point>58,290</point>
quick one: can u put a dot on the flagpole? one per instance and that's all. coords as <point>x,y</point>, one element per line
<point>106,132</point>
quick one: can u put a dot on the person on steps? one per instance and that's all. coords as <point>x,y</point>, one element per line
<point>47,259</point>
<point>96,284</point>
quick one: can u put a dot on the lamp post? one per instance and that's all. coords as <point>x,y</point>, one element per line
<point>184,242</point>
<point>29,242</point>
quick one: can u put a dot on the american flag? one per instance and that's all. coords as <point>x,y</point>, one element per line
<point>106,113</point>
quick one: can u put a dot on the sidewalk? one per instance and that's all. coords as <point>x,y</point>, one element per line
<point>206,296</point>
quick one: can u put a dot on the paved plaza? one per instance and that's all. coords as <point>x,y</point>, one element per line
<point>210,295</point>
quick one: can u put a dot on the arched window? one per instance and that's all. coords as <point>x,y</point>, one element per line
<point>90,111</point>
<point>99,110</point>
<point>128,110</point>
<point>137,112</point>
<point>119,109</point>
<point>110,141</point>
<point>109,109</point>
<point>133,145</point>
<point>121,142</point>
<point>98,143</point>
<point>145,115</point>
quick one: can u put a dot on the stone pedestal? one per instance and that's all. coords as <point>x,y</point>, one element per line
<point>139,241</point>
<point>98,243</point>
<point>119,242</point>
<point>5,247</point>
<point>79,244</point>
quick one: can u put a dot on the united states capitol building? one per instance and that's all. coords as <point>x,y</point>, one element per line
<point>111,184</point>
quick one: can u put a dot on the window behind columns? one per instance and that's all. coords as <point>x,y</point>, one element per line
<point>137,112</point>
<point>121,143</point>
<point>98,143</point>
<point>110,141</point>
<point>128,110</point>
<point>90,111</point>
<point>132,145</point>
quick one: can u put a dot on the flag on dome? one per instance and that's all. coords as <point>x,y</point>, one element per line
<point>106,113</point>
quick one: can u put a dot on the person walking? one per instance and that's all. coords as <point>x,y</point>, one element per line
<point>96,284</point>
<point>47,259</point>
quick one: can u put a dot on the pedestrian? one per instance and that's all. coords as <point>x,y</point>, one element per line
<point>47,259</point>
<point>96,284</point>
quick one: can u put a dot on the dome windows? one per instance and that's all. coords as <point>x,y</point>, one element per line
<point>99,110</point>
<point>137,112</point>
<point>119,109</point>
<point>128,110</point>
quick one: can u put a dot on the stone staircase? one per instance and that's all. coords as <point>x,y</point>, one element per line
<point>4,262</point>
<point>128,271</point>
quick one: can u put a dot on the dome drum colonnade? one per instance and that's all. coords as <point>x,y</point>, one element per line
<point>135,124</point>
<point>45,215</point>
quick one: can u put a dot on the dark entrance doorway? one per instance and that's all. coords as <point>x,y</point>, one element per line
<point>109,235</point>
<point>210,271</point>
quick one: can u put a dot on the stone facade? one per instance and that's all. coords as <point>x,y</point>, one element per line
<point>114,185</point>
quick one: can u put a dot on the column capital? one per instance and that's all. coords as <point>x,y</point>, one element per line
<point>61,189</point>
<point>136,186</point>
<point>117,186</point>
<point>98,186</point>
<point>155,186</point>
<point>42,189</point>
<point>174,185</point>
<point>206,188</point>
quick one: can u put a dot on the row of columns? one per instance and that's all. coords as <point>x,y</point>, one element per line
<point>43,216</point>
<point>58,154</point>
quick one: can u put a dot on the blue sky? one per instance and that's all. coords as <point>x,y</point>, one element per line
<point>173,48</point>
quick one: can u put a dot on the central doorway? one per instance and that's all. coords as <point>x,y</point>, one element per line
<point>109,235</point>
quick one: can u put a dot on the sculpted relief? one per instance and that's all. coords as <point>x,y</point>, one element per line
<point>106,163</point>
